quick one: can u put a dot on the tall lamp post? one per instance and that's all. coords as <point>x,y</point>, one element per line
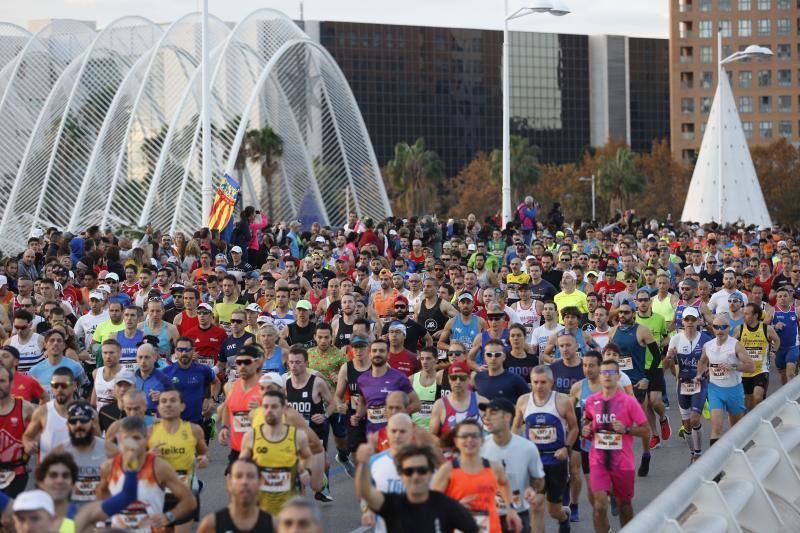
<point>554,7</point>
<point>753,51</point>
<point>594,198</point>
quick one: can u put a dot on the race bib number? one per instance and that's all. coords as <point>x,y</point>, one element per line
<point>6,477</point>
<point>755,354</point>
<point>442,354</point>
<point>128,365</point>
<point>425,408</point>
<point>132,517</point>
<point>626,362</point>
<point>276,480</point>
<point>207,361</point>
<point>689,388</point>
<point>241,421</point>
<point>376,414</point>
<point>542,434</point>
<point>354,401</point>
<point>84,490</point>
<point>718,372</point>
<point>607,441</point>
<point>516,502</point>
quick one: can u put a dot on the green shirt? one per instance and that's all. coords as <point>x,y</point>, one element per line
<point>656,324</point>
<point>105,330</point>
<point>326,363</point>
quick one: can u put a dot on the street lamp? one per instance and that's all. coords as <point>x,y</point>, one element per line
<point>584,178</point>
<point>553,7</point>
<point>753,51</point>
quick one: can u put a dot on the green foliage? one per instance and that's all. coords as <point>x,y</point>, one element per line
<point>413,177</point>
<point>619,177</point>
<point>265,147</point>
<point>524,166</point>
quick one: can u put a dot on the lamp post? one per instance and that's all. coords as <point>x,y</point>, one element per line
<point>753,51</point>
<point>584,178</point>
<point>554,7</point>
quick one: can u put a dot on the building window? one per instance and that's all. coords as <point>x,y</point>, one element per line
<point>745,28</point>
<point>784,51</point>
<point>687,106</point>
<point>705,5</point>
<point>765,129</point>
<point>765,78</point>
<point>745,79</point>
<point>687,80</point>
<point>785,104</point>
<point>764,5</point>
<point>724,5</point>
<point>706,80</point>
<point>685,30</point>
<point>727,50</point>
<point>784,4</point>
<point>744,5</point>
<point>688,155</point>
<point>764,27</point>
<point>704,29</point>
<point>745,104</point>
<point>765,104</point>
<point>785,78</point>
<point>747,127</point>
<point>707,54</point>
<point>687,131</point>
<point>784,27</point>
<point>725,28</point>
<point>705,104</point>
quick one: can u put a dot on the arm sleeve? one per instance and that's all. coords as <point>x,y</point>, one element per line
<point>655,351</point>
<point>127,496</point>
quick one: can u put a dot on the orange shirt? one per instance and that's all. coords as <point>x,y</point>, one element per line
<point>483,486</point>
<point>384,305</point>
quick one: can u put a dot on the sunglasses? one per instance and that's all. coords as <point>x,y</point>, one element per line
<point>244,362</point>
<point>642,299</point>
<point>411,470</point>
<point>469,436</point>
<point>455,353</point>
<point>459,377</point>
<point>438,269</point>
<point>495,317</point>
<point>609,372</point>
<point>23,326</point>
<point>183,349</point>
<point>204,312</point>
<point>79,420</point>
<point>237,321</point>
<point>734,300</point>
<point>58,385</point>
<point>493,354</point>
<point>720,327</point>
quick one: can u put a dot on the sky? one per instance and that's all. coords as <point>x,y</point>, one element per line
<point>640,18</point>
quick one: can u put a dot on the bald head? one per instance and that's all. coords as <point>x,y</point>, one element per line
<point>399,430</point>
<point>397,402</point>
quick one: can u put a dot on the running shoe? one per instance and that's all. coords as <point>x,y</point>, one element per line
<point>644,466</point>
<point>349,467</point>
<point>574,514</point>
<point>563,525</point>
<point>324,495</point>
<point>655,442</point>
<point>666,431</point>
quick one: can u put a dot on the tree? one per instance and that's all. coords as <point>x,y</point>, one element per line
<point>667,182</point>
<point>777,164</point>
<point>618,178</point>
<point>524,167</point>
<point>472,192</point>
<point>413,176</point>
<point>265,147</point>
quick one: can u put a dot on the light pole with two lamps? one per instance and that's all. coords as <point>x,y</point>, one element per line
<point>554,7</point>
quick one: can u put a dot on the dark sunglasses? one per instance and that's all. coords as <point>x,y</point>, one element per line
<point>455,353</point>
<point>493,354</point>
<point>495,317</point>
<point>184,349</point>
<point>718,327</point>
<point>459,377</point>
<point>244,362</point>
<point>411,470</point>
<point>57,385</point>
<point>79,420</point>
<point>401,306</point>
<point>237,321</point>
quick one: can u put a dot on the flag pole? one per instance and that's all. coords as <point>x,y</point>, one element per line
<point>205,104</point>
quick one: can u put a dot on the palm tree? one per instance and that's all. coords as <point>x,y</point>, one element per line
<point>619,177</point>
<point>265,147</point>
<point>414,174</point>
<point>524,166</point>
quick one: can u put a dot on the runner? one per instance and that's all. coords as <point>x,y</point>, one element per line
<point>610,420</point>
<point>130,337</point>
<point>461,404</point>
<point>105,376</point>
<point>784,321</point>
<point>86,448</point>
<point>426,387</point>
<point>22,385</point>
<point>464,327</point>
<point>549,327</point>
<point>15,416</point>
<point>208,339</point>
<point>761,343</point>
<point>196,384</point>
<point>56,476</point>
<point>237,338</point>
<point>241,396</point>
<point>518,360</point>
<point>578,394</point>
<point>48,425</point>
<point>29,344</point>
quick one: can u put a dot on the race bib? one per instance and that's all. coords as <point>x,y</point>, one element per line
<point>626,362</point>
<point>84,489</point>
<point>689,388</point>
<point>482,520</point>
<point>233,375</point>
<point>425,408</point>
<point>6,477</point>
<point>755,354</point>
<point>208,361</point>
<point>442,354</point>
<point>275,480</point>
<point>542,434</point>
<point>718,372</point>
<point>132,517</point>
<point>607,441</point>
<point>128,365</point>
<point>376,414</point>
<point>241,421</point>
<point>354,401</point>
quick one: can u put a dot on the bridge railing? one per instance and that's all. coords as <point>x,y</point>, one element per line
<point>747,481</point>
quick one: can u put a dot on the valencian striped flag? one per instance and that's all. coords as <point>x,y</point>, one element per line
<point>224,204</point>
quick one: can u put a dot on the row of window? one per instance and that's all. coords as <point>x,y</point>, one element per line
<point>765,129</point>
<point>763,27</point>
<point>784,104</point>
<point>705,55</point>
<point>745,77</point>
<point>742,5</point>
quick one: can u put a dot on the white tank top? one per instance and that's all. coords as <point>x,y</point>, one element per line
<point>55,430</point>
<point>600,337</point>
<point>104,389</point>
<point>29,352</point>
<point>529,318</point>
<point>722,354</point>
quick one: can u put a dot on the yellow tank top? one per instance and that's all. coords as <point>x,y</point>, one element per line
<point>277,462</point>
<point>757,345</point>
<point>178,449</point>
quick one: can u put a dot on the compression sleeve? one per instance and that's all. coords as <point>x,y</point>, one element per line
<point>655,351</point>
<point>127,496</point>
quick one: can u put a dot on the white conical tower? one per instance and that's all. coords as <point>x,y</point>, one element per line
<point>740,190</point>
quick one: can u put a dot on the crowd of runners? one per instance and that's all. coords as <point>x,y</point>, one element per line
<point>465,377</point>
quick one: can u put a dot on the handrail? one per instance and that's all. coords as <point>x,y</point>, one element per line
<point>674,500</point>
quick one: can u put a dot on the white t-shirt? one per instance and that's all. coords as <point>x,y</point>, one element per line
<point>719,301</point>
<point>85,326</point>
<point>542,334</point>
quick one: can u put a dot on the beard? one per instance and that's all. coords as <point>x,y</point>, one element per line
<point>401,314</point>
<point>85,440</point>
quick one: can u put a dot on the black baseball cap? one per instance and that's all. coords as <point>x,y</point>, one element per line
<point>498,404</point>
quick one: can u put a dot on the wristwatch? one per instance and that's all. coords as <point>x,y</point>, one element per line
<point>170,516</point>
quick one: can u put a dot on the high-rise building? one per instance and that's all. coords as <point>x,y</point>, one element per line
<point>765,92</point>
<point>444,84</point>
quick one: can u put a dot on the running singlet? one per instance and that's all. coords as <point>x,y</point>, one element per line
<point>29,351</point>
<point>528,318</point>
<point>564,377</point>
<point>756,342</point>
<point>224,523</point>
<point>718,354</point>
<point>178,449</point>
<point>427,396</point>
<point>486,337</point>
<point>432,319</point>
<point>127,358</point>
<point>545,427</point>
<point>632,354</point>
<point>188,323</point>
<point>230,346</point>
<point>89,463</point>
<point>302,400</point>
<point>482,487</point>
<point>274,363</point>
<point>149,501</point>
<point>12,454</point>
<point>239,405</point>
<point>164,344</point>
<point>610,450</point>
<point>453,417</point>
<point>464,333</point>
<point>277,462</point>
<point>687,355</point>
<point>788,333</point>
<point>343,333</point>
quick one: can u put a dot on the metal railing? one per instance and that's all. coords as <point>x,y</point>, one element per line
<point>747,481</point>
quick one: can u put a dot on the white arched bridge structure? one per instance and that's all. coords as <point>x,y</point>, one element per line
<point>104,127</point>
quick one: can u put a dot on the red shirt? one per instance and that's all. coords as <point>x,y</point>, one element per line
<point>606,292</point>
<point>207,343</point>
<point>73,296</point>
<point>130,290</point>
<point>26,387</point>
<point>406,362</point>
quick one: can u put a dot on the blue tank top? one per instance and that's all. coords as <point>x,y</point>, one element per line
<point>274,363</point>
<point>485,337</point>
<point>164,345</point>
<point>464,333</point>
<point>629,347</point>
<point>735,323</point>
<point>688,355</point>
<point>545,427</point>
<point>581,344</point>
<point>565,376</point>
<point>679,312</point>
<point>788,333</point>
<point>128,356</point>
